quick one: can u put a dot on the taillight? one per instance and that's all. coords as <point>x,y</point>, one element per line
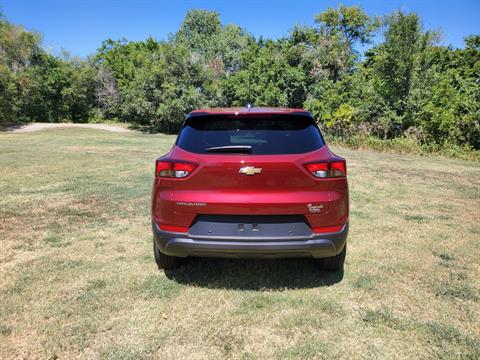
<point>337,168</point>
<point>173,169</point>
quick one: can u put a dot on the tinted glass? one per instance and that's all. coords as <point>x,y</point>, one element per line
<point>277,134</point>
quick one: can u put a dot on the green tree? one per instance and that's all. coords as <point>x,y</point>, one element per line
<point>399,58</point>
<point>268,78</point>
<point>449,108</point>
<point>347,23</point>
<point>198,30</point>
<point>17,47</point>
<point>219,46</point>
<point>329,59</point>
<point>167,86</point>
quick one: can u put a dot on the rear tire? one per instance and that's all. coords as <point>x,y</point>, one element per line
<point>164,261</point>
<point>334,263</point>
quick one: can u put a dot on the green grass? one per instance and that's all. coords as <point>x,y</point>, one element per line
<point>78,279</point>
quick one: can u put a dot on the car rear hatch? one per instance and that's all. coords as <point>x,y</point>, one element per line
<point>256,168</point>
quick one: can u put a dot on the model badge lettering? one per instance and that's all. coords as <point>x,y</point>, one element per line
<point>250,170</point>
<point>181,203</point>
<point>314,208</point>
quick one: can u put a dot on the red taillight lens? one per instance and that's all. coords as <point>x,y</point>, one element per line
<point>163,168</point>
<point>337,168</point>
<point>173,169</point>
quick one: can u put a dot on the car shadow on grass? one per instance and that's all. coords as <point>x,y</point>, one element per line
<point>253,274</point>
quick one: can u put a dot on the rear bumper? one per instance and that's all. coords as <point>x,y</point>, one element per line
<point>316,245</point>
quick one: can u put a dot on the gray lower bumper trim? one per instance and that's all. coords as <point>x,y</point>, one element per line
<point>317,246</point>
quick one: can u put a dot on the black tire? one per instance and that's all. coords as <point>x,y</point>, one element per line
<point>334,263</point>
<point>164,261</point>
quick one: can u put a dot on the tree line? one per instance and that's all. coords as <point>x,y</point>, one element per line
<point>406,85</point>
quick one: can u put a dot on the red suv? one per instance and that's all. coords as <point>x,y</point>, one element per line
<point>250,182</point>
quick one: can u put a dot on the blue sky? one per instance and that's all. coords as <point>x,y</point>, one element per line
<point>80,26</point>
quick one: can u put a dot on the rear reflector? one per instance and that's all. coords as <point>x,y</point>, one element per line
<point>337,168</point>
<point>327,229</point>
<point>173,228</point>
<point>173,169</point>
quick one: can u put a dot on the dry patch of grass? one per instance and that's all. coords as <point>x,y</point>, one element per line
<point>77,276</point>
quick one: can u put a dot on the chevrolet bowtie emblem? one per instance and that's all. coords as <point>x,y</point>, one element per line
<point>250,170</point>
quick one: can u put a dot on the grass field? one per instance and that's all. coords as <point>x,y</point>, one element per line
<point>78,279</point>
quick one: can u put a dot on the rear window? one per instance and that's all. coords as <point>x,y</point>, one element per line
<point>266,135</point>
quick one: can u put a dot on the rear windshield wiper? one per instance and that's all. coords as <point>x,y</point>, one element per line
<point>231,149</point>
